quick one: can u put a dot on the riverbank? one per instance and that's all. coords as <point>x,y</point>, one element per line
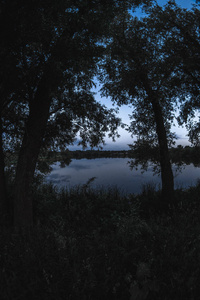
<point>96,244</point>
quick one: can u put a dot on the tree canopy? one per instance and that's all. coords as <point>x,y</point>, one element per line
<point>183,28</point>
<point>138,71</point>
<point>49,55</point>
<point>152,64</point>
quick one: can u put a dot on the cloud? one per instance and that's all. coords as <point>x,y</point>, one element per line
<point>79,167</point>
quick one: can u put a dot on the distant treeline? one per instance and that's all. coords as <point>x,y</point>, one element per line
<point>185,154</point>
<point>89,154</point>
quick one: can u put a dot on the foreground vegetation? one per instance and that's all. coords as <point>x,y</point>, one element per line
<point>97,244</point>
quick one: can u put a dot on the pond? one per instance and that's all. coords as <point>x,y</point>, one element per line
<point>116,172</point>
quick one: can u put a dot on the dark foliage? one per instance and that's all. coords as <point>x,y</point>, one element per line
<point>90,244</point>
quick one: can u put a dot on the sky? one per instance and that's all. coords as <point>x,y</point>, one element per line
<point>125,137</point>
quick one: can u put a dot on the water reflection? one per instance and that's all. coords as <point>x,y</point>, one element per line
<point>116,172</point>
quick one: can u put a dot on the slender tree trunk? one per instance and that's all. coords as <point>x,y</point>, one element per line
<point>165,164</point>
<point>166,169</point>
<point>35,129</point>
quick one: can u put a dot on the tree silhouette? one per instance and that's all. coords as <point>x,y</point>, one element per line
<point>183,27</point>
<point>139,72</point>
<point>49,56</point>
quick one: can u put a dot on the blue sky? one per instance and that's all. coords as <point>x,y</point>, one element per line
<point>183,3</point>
<point>125,137</point>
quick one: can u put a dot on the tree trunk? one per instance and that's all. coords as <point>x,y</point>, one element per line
<point>165,164</point>
<point>34,132</point>
<point>166,169</point>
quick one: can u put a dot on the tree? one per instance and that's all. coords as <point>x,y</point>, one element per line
<point>137,71</point>
<point>184,45</point>
<point>50,53</point>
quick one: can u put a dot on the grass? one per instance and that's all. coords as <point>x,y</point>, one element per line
<point>96,244</point>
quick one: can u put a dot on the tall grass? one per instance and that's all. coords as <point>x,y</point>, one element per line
<point>97,244</point>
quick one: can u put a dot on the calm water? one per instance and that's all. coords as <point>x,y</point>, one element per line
<point>116,172</point>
